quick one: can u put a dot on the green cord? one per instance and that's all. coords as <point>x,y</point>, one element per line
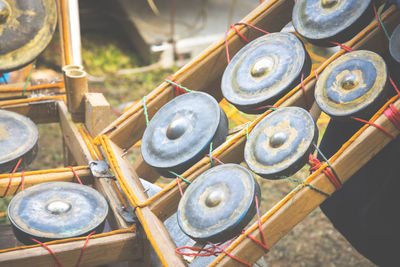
<point>177,175</point>
<point>300,182</point>
<point>29,77</point>
<point>327,161</point>
<point>145,111</point>
<point>209,154</point>
<point>380,20</point>
<point>179,86</point>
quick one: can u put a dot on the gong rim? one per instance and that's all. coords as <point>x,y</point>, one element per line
<point>18,137</point>
<point>345,15</point>
<point>54,193</point>
<point>351,84</point>
<point>394,44</point>
<point>201,121</point>
<point>199,224</point>
<point>279,145</point>
<point>264,70</point>
<point>37,27</point>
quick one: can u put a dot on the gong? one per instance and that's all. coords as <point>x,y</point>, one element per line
<point>280,144</point>
<point>352,85</point>
<point>321,21</point>
<point>26,28</point>
<point>264,70</point>
<point>218,204</point>
<point>180,133</point>
<point>57,210</point>
<point>394,45</point>
<point>18,139</point>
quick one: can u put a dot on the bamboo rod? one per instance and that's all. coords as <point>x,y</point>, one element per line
<point>76,86</point>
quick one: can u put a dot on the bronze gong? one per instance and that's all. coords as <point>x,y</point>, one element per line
<point>218,204</point>
<point>280,144</point>
<point>394,45</point>
<point>26,28</point>
<point>57,210</point>
<point>352,85</point>
<point>180,133</point>
<point>18,139</point>
<point>320,21</point>
<point>264,70</point>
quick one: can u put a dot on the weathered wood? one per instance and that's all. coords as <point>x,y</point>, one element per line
<point>145,171</point>
<point>31,179</point>
<point>38,112</point>
<point>160,238</point>
<point>204,72</point>
<point>81,154</point>
<point>118,247</point>
<point>8,91</point>
<point>97,113</point>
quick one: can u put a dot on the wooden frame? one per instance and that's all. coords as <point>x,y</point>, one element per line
<point>204,74</point>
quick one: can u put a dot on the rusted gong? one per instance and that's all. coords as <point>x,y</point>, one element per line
<point>18,139</point>
<point>26,28</point>
<point>180,133</point>
<point>281,143</point>
<point>265,70</point>
<point>57,210</point>
<point>321,21</point>
<point>218,204</point>
<point>353,85</point>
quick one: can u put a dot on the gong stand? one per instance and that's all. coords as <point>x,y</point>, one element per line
<point>202,74</point>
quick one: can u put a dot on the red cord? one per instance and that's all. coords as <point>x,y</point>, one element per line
<point>315,164</point>
<point>75,174</point>
<point>262,243</point>
<point>376,125</point>
<point>11,177</point>
<point>83,249</point>
<point>393,114</point>
<point>51,252</point>
<point>394,85</point>
<point>316,75</point>
<point>22,180</point>
<point>179,185</point>
<point>348,49</point>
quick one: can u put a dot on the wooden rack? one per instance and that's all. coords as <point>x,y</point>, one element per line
<point>87,141</point>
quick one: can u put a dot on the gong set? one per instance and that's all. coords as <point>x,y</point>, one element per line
<point>52,210</point>
<point>221,201</point>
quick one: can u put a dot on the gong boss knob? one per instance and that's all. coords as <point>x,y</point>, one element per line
<point>320,21</point>
<point>352,85</point>
<point>218,204</point>
<point>57,210</point>
<point>280,144</point>
<point>181,132</point>
<point>265,70</point>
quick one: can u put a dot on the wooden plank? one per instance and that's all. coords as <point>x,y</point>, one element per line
<point>33,179</point>
<point>97,113</point>
<point>99,251</point>
<point>160,238</point>
<point>203,73</point>
<point>368,144</point>
<point>38,112</point>
<point>145,171</point>
<point>81,154</point>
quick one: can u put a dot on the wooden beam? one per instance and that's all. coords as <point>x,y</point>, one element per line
<point>33,178</point>
<point>145,171</point>
<point>99,251</point>
<point>38,112</point>
<point>97,113</point>
<point>155,230</point>
<point>203,73</point>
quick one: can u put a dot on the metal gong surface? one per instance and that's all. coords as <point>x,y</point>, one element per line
<point>218,204</point>
<point>279,145</point>
<point>57,210</point>
<point>26,28</point>
<point>328,19</point>
<point>394,45</point>
<point>182,130</point>
<point>264,70</point>
<point>18,138</point>
<point>351,83</point>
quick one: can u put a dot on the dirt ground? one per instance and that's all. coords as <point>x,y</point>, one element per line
<point>314,242</point>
